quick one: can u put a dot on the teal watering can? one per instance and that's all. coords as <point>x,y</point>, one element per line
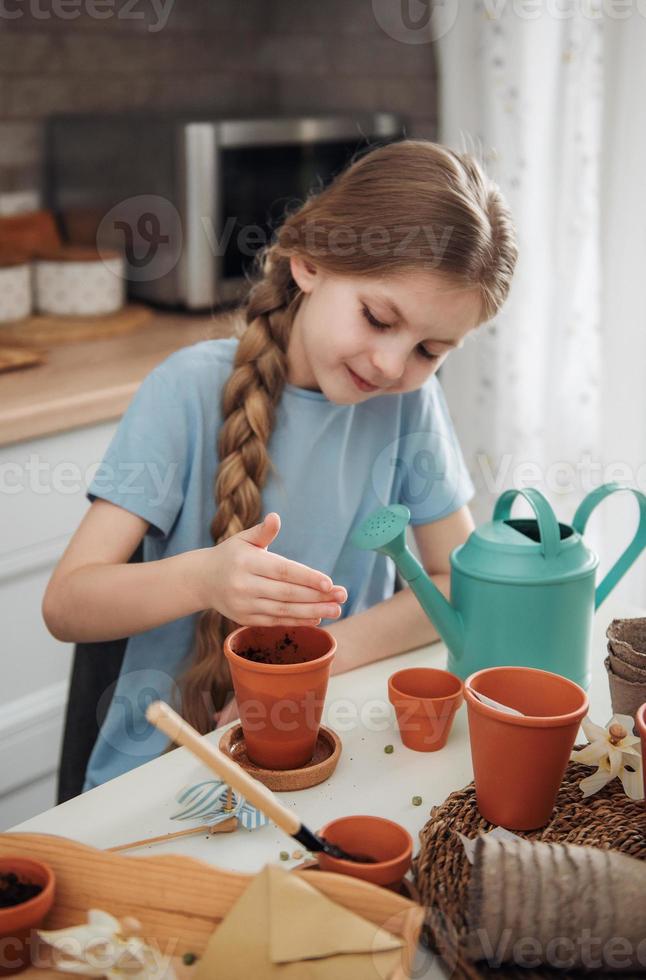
<point>522,590</point>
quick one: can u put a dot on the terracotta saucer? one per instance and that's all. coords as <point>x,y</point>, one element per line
<point>322,765</point>
<point>406,888</point>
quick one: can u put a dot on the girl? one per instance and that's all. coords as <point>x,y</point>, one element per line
<point>325,408</point>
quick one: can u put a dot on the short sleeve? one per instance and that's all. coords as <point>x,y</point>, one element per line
<point>433,479</point>
<point>144,467</point>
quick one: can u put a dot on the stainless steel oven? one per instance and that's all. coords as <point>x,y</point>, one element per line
<point>189,199</point>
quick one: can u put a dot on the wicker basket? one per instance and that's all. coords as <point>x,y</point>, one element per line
<point>608,820</point>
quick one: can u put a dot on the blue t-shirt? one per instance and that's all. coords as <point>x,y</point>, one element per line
<point>332,466</point>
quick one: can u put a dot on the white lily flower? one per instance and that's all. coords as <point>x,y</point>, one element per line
<point>612,750</point>
<point>101,948</point>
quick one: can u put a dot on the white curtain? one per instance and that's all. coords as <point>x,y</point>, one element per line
<point>623,226</point>
<point>538,91</point>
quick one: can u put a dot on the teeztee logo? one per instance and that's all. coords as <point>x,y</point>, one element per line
<point>127,730</point>
<point>421,470</point>
<point>147,229</point>
<point>415,21</point>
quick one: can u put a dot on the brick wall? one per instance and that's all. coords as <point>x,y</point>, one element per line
<point>235,55</point>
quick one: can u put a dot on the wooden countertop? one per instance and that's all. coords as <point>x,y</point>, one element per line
<point>93,381</point>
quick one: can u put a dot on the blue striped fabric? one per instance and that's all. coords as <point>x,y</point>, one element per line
<point>206,801</point>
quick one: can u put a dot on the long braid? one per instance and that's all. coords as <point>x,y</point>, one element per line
<point>249,401</point>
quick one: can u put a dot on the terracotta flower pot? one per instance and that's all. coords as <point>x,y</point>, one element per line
<point>16,921</point>
<point>389,844</point>
<point>640,723</point>
<point>280,676</point>
<point>519,762</point>
<point>425,701</point>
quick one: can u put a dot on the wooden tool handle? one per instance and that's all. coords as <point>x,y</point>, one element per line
<point>162,716</point>
<point>225,827</point>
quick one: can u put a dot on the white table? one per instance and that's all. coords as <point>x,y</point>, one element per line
<point>367,780</point>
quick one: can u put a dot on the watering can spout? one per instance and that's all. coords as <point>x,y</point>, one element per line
<point>385,531</point>
<point>447,620</point>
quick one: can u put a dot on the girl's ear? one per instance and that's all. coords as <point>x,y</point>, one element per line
<point>304,273</point>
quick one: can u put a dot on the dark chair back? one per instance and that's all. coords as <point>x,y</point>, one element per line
<point>95,670</point>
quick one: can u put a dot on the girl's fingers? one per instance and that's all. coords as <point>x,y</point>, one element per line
<point>291,572</point>
<point>297,611</point>
<point>268,588</point>
<point>271,621</point>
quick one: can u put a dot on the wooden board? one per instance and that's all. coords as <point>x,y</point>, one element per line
<point>94,380</point>
<point>16,358</point>
<point>180,900</point>
<point>47,331</point>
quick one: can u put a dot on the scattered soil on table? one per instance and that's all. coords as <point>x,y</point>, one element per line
<point>13,891</point>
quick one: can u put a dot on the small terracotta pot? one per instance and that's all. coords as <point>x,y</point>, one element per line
<point>281,694</point>
<point>425,701</point>
<point>17,921</point>
<point>519,762</point>
<point>384,840</point>
<point>640,724</point>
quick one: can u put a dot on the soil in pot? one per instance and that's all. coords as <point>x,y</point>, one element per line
<point>26,895</point>
<point>284,651</point>
<point>15,890</point>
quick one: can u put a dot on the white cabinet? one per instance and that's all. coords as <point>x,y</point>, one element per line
<point>42,501</point>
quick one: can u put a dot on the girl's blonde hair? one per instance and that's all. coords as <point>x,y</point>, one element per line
<point>411,205</point>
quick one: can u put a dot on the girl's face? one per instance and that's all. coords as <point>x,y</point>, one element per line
<point>354,338</point>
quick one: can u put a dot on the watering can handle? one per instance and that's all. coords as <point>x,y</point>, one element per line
<point>633,550</point>
<point>547,523</point>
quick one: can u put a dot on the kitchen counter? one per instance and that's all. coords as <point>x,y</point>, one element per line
<point>93,381</point>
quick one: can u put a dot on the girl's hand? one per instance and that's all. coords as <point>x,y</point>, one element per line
<point>253,587</point>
